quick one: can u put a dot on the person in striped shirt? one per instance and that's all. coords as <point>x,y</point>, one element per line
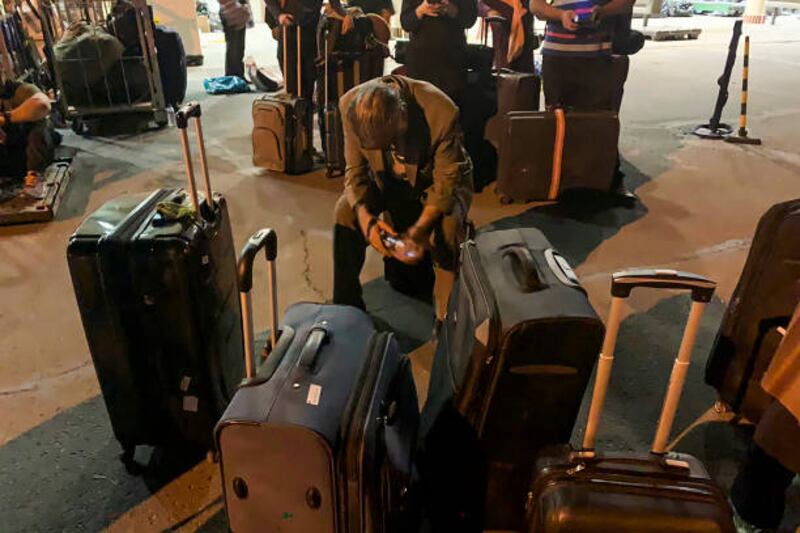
<point>577,70</point>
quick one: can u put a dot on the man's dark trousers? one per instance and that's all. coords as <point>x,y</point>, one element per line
<point>308,53</point>
<point>27,147</point>
<point>234,51</point>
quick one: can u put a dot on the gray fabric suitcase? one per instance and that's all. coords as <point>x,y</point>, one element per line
<point>282,134</point>
<point>320,438</point>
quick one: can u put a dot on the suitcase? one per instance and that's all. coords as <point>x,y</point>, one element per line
<point>764,299</point>
<point>320,437</point>
<point>171,64</point>
<point>516,91</point>
<point>282,135</point>
<point>575,490</point>
<point>545,154</point>
<point>513,360</point>
<point>334,132</point>
<point>158,301</point>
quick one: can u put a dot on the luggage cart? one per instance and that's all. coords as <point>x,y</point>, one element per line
<point>19,57</point>
<point>101,91</point>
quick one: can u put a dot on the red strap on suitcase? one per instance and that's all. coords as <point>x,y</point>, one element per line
<point>558,153</point>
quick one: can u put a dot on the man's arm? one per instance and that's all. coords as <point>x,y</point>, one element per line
<point>356,173</point>
<point>449,164</point>
<point>545,11</point>
<point>33,109</point>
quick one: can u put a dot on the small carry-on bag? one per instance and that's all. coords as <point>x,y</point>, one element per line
<point>764,300</point>
<point>320,437</point>
<point>575,490</point>
<point>282,134</point>
<point>545,154</point>
<point>155,279</point>
<point>514,357</point>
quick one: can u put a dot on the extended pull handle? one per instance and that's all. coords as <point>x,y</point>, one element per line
<point>267,240</point>
<point>622,283</point>
<point>523,268</point>
<point>317,337</point>
<point>188,111</point>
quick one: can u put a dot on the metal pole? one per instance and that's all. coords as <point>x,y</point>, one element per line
<point>677,378</point>
<point>247,322</point>
<point>745,74</point>
<point>201,147</point>
<point>604,364</point>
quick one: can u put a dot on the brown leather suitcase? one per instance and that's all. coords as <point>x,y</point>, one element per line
<point>545,154</point>
<point>764,300</point>
<point>516,91</point>
<point>577,490</point>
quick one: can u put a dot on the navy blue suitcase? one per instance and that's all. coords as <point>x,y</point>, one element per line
<point>320,437</point>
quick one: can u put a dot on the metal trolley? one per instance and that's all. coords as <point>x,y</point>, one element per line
<point>131,86</point>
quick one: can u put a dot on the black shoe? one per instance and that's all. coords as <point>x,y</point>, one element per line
<point>625,197</point>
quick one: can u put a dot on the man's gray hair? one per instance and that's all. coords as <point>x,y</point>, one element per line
<point>377,113</point>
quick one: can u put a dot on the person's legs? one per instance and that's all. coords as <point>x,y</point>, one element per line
<point>349,253</point>
<point>308,56</point>
<point>553,80</point>
<point>759,490</point>
<point>39,148</point>
<point>234,51</point>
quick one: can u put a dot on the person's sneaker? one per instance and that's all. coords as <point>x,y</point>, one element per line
<point>35,185</point>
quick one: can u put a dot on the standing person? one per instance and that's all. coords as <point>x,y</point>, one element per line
<point>513,40</point>
<point>405,160</point>
<point>26,136</point>
<point>235,15</point>
<point>577,70</point>
<point>437,49</point>
<point>294,14</point>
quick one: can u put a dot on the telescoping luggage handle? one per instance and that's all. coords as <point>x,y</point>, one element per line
<point>622,283</point>
<point>286,63</point>
<point>188,111</point>
<point>267,240</point>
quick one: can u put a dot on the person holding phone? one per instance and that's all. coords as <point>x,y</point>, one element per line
<point>408,183</point>
<point>577,69</point>
<point>437,48</point>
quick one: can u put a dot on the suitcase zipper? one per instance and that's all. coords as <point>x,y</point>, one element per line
<point>472,261</point>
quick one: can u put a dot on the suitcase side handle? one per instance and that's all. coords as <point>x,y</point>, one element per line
<point>622,283</point>
<point>267,240</point>
<point>188,111</point>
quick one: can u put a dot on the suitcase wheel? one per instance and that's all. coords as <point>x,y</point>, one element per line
<point>504,200</point>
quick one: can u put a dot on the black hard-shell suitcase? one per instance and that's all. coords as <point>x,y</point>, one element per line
<point>158,301</point>
<point>320,437</point>
<point>513,360</point>
<point>764,299</point>
<point>576,490</point>
<point>282,134</point>
<point>171,64</point>
<point>545,154</point>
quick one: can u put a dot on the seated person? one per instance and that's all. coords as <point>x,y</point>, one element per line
<point>405,159</point>
<point>26,140</point>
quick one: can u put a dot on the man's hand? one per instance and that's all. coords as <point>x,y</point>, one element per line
<point>347,24</point>
<point>285,19</point>
<point>448,8</point>
<point>371,228</point>
<point>567,20</point>
<point>421,236</point>
<point>427,10</point>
